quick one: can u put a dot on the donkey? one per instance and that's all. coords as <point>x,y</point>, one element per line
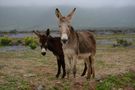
<point>55,46</point>
<point>76,45</point>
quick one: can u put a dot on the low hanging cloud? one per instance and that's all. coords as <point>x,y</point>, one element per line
<point>79,3</point>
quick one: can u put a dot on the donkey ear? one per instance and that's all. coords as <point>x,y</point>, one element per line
<point>37,33</point>
<point>71,14</point>
<point>58,13</point>
<point>48,32</point>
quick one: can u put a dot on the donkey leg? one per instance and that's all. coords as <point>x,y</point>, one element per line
<point>63,66</point>
<point>85,69</point>
<point>68,66</point>
<point>89,68</point>
<point>74,66</point>
<point>92,67</point>
<point>59,68</point>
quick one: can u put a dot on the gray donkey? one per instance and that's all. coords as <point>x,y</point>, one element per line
<point>76,45</point>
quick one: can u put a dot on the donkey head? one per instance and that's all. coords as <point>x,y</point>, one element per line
<point>64,23</point>
<point>43,39</point>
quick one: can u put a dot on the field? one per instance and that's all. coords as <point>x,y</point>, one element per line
<point>27,69</point>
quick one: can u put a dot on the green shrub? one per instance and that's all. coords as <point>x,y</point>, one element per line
<point>27,40</point>
<point>122,42</point>
<point>31,42</point>
<point>5,41</point>
<point>33,45</point>
<point>19,42</point>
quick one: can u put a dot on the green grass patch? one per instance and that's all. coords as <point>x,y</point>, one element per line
<point>14,83</point>
<point>114,36</point>
<point>120,81</point>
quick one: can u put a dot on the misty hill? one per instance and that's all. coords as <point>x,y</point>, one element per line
<point>27,18</point>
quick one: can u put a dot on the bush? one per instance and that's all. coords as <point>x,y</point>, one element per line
<point>19,42</point>
<point>33,45</point>
<point>31,42</point>
<point>5,41</point>
<point>122,42</point>
<point>28,40</point>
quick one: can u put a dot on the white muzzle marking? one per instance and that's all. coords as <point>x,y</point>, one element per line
<point>43,50</point>
<point>64,36</point>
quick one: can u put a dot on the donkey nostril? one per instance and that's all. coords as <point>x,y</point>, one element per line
<point>64,41</point>
<point>43,53</point>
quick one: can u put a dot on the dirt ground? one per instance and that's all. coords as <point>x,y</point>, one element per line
<point>29,70</point>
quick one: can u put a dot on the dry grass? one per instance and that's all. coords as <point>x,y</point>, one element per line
<point>28,69</point>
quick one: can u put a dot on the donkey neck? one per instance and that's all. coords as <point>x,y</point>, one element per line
<point>50,43</point>
<point>71,47</point>
<point>73,35</point>
<point>54,45</point>
<point>72,41</point>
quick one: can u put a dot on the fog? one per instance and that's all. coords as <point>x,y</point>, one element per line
<point>40,14</point>
<point>78,3</point>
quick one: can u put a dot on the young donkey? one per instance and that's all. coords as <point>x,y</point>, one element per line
<point>76,45</point>
<point>54,45</point>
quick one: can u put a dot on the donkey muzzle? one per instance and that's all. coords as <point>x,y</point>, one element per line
<point>64,40</point>
<point>43,53</point>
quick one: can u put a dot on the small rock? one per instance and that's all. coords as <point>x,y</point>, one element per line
<point>29,75</point>
<point>58,83</point>
<point>120,89</point>
<point>41,87</point>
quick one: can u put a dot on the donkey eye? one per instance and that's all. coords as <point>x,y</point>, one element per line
<point>59,25</point>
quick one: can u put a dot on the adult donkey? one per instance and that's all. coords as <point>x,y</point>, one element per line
<point>76,45</point>
<point>55,46</point>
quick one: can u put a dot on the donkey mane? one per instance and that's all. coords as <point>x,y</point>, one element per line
<point>81,45</point>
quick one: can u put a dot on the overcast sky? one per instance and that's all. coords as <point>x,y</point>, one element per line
<point>80,3</point>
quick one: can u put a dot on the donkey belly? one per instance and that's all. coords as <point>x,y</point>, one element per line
<point>85,41</point>
<point>83,55</point>
<point>69,52</point>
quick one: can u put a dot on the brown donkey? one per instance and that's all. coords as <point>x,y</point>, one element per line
<point>76,45</point>
<point>55,46</point>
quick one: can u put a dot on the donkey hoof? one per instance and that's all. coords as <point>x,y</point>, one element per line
<point>57,76</point>
<point>82,74</point>
<point>88,78</point>
<point>63,76</point>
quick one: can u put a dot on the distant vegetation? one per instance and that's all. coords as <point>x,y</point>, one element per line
<point>5,41</point>
<point>27,41</point>
<point>122,42</point>
<point>31,42</point>
<point>33,45</point>
<point>13,31</point>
